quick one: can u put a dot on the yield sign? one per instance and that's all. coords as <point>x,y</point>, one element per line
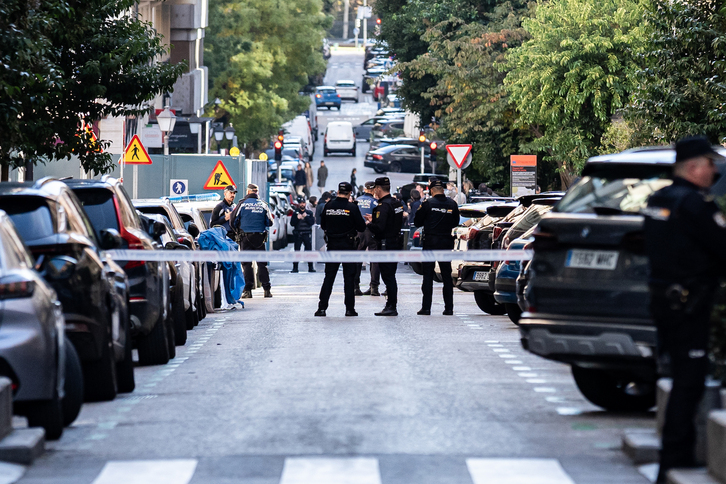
<point>135,153</point>
<point>219,179</point>
<point>459,153</point>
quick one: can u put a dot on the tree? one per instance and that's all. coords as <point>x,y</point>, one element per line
<point>260,54</point>
<point>67,63</point>
<point>682,77</point>
<point>572,76</point>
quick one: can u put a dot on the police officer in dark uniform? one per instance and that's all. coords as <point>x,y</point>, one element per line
<point>223,210</point>
<point>366,203</point>
<point>386,222</point>
<point>341,220</point>
<point>302,222</point>
<point>438,215</point>
<point>250,220</point>
<point>685,235</point>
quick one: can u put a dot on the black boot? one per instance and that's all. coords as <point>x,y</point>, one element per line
<point>311,268</point>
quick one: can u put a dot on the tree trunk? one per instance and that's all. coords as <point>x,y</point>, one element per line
<point>29,170</point>
<point>567,178</point>
<point>5,172</point>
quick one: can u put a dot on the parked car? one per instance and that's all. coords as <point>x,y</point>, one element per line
<point>363,130</point>
<point>505,286</point>
<point>388,128</point>
<point>299,143</point>
<point>165,208</point>
<point>56,229</point>
<point>588,288</point>
<point>301,126</point>
<point>397,159</point>
<point>347,89</point>
<point>339,138</point>
<point>109,208</point>
<point>35,354</point>
<point>327,96</point>
<point>289,153</point>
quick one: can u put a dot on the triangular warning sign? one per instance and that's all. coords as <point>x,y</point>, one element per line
<point>219,179</point>
<point>459,153</point>
<point>135,153</point>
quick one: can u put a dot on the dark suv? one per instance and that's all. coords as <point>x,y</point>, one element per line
<point>57,231</point>
<point>109,207</point>
<point>588,292</point>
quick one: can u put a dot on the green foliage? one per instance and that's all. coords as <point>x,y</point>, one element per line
<point>682,74</point>
<point>574,74</point>
<point>67,63</point>
<point>260,54</point>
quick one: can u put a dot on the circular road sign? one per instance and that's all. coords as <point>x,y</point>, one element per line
<point>263,156</point>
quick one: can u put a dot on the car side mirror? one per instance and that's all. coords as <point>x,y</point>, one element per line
<point>193,230</point>
<point>110,239</point>
<point>158,229</point>
<point>185,243</point>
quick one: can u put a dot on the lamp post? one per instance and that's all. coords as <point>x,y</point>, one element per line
<point>166,120</point>
<point>219,136</point>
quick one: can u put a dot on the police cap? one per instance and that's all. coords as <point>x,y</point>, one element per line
<point>435,182</point>
<point>693,147</point>
<point>230,188</point>
<point>252,187</point>
<point>370,185</point>
<point>345,187</point>
<point>382,181</point>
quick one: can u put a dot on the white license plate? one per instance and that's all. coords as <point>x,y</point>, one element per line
<point>606,260</point>
<point>481,276</point>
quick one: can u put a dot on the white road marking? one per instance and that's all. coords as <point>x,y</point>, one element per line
<point>10,473</point>
<point>514,362</point>
<point>506,355</point>
<point>495,346</point>
<point>317,470</point>
<point>521,368</point>
<point>569,410</point>
<point>544,390</point>
<point>650,471</point>
<point>527,375</point>
<point>179,471</point>
<point>536,380</point>
<point>500,350</point>
<point>517,471</point>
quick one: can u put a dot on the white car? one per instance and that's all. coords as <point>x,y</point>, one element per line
<point>347,89</point>
<point>339,137</point>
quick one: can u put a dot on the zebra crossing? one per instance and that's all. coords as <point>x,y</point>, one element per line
<point>336,470</point>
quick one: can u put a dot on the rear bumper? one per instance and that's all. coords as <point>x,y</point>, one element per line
<point>466,282</point>
<point>505,297</point>
<point>376,165</point>
<point>612,344</point>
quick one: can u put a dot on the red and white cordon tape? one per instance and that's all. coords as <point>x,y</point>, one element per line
<point>320,256</point>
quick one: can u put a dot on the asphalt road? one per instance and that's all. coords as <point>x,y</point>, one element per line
<point>272,395</point>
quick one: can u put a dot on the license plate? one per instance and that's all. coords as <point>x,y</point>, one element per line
<point>481,276</point>
<point>606,260</point>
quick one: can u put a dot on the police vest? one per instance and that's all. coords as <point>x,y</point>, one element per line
<point>252,216</point>
<point>366,204</point>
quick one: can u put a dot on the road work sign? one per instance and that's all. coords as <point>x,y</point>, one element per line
<point>135,153</point>
<point>219,179</point>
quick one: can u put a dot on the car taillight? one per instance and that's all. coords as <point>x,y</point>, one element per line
<point>377,157</point>
<point>417,235</point>
<point>16,289</point>
<point>495,264</point>
<point>134,243</point>
<point>338,95</point>
<point>506,242</point>
<point>496,233</point>
<point>181,240</point>
<point>470,234</point>
<point>318,96</point>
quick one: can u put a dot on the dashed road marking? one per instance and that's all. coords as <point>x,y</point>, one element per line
<point>178,471</point>
<point>317,470</point>
<point>517,471</point>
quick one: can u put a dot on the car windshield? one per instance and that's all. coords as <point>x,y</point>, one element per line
<point>610,196</point>
<point>100,208</point>
<point>32,218</point>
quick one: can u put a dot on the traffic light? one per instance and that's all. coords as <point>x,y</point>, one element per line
<point>280,136</point>
<point>422,139</point>
<point>378,21</point>
<point>278,151</point>
<point>433,146</point>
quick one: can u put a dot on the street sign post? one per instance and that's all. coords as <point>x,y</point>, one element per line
<point>523,174</point>
<point>459,157</point>
<point>135,155</point>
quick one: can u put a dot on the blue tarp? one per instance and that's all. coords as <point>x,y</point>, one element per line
<point>234,281</point>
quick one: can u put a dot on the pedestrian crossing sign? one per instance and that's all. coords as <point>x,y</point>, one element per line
<point>135,153</point>
<point>219,179</point>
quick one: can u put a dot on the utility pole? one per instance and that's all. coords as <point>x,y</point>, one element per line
<point>365,25</point>
<point>346,8</point>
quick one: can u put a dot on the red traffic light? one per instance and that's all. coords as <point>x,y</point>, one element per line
<point>433,145</point>
<point>278,145</point>
<point>378,21</point>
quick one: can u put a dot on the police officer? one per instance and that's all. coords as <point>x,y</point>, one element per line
<point>341,220</point>
<point>386,222</point>
<point>250,220</point>
<point>685,234</point>
<point>302,221</point>
<point>223,210</point>
<point>366,203</point>
<point>438,215</point>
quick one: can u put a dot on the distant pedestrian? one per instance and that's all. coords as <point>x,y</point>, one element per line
<point>352,177</point>
<point>341,221</point>
<point>366,203</point>
<point>322,176</point>
<point>438,216</point>
<point>312,204</point>
<point>413,205</point>
<point>250,220</point>
<point>320,205</point>
<point>302,221</point>
<point>309,178</point>
<point>300,180</point>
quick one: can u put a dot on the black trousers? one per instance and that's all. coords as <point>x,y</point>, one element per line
<point>331,270</point>
<point>388,275</point>
<point>427,287</point>
<point>303,239</point>
<point>683,335</point>
<point>254,242</point>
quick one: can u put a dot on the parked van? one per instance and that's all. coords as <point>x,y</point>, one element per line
<point>339,137</point>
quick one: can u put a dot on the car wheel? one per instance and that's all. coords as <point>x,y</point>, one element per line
<point>395,167</point>
<point>378,170</point>
<point>99,376</point>
<point>326,152</point>
<point>153,348</point>
<point>47,414</point>
<point>513,312</point>
<point>353,151</point>
<point>617,394</point>
<point>178,317</point>
<point>338,107</point>
<point>125,368</point>
<point>486,303</point>
<point>72,386</point>
<point>192,319</point>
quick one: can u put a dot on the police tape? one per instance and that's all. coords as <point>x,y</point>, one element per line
<point>320,256</point>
